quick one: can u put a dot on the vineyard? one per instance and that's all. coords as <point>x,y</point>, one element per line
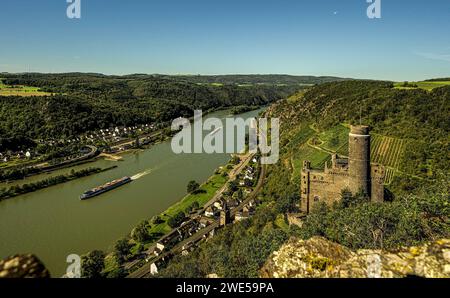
<point>388,152</point>
<point>316,147</point>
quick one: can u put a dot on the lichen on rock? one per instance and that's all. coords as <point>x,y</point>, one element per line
<point>319,257</point>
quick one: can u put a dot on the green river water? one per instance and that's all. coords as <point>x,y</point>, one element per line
<point>53,223</point>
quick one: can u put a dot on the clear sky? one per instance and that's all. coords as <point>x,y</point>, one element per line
<point>411,41</point>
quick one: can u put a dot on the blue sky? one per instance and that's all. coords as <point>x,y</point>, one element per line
<point>318,37</point>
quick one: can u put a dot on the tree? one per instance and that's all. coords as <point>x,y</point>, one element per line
<point>195,205</point>
<point>118,272</point>
<point>238,195</point>
<point>192,186</point>
<point>136,142</point>
<point>346,197</point>
<point>248,182</point>
<point>232,186</point>
<point>157,220</point>
<point>93,264</point>
<point>235,160</point>
<point>140,232</point>
<point>176,220</point>
<point>122,250</point>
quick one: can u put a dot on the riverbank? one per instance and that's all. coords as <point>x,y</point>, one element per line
<point>17,190</point>
<point>54,223</point>
<point>158,224</point>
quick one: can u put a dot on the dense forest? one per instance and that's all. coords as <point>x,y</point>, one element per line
<point>86,102</point>
<point>260,79</point>
<point>416,213</point>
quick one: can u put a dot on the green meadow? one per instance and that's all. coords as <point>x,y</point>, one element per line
<point>19,90</point>
<point>426,85</point>
<point>207,191</point>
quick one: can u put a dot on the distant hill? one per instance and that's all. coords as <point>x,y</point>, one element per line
<point>438,80</point>
<point>260,79</point>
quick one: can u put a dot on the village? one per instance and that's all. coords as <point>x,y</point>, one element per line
<point>53,153</point>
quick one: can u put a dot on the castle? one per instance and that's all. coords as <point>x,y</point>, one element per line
<point>355,174</point>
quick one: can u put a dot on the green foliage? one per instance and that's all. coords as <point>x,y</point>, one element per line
<point>17,190</point>
<point>192,186</point>
<point>87,102</point>
<point>239,250</point>
<point>406,221</point>
<point>117,272</point>
<point>176,220</point>
<point>242,109</point>
<point>140,232</point>
<point>122,250</point>
<point>195,205</point>
<point>93,264</point>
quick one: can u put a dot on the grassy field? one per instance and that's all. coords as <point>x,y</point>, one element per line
<point>305,152</point>
<point>335,139</point>
<point>6,90</point>
<point>423,85</point>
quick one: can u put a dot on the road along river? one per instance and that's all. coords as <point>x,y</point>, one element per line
<point>53,223</point>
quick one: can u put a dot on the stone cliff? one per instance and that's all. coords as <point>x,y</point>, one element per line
<point>318,257</point>
<point>23,266</point>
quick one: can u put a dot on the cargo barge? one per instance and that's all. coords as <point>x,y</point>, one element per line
<point>105,187</point>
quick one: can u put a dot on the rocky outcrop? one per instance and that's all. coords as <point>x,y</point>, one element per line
<point>318,257</point>
<point>23,266</point>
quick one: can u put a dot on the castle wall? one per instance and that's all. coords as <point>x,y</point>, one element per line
<point>377,188</point>
<point>319,186</point>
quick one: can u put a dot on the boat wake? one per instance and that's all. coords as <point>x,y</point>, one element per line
<point>215,131</point>
<point>141,174</point>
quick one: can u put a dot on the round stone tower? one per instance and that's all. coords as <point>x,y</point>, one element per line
<point>359,159</point>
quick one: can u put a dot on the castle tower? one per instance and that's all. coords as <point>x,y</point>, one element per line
<point>305,181</point>
<point>225,217</point>
<point>359,159</point>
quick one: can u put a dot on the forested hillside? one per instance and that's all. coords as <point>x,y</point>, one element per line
<point>85,102</point>
<point>417,211</point>
<point>419,117</point>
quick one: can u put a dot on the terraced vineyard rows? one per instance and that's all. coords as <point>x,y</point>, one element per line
<point>388,152</point>
<point>390,173</point>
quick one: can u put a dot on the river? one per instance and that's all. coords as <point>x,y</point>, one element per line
<point>53,223</point>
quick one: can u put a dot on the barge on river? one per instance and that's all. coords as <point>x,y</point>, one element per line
<point>105,187</point>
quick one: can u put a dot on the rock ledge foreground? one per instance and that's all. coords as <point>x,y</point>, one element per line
<point>319,257</point>
<point>23,266</point>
